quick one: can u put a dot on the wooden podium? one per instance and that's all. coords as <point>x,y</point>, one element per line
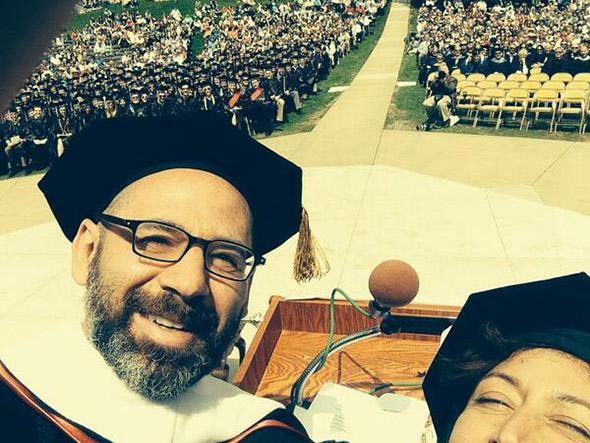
<point>294,331</point>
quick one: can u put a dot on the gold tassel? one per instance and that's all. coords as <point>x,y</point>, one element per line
<point>310,259</point>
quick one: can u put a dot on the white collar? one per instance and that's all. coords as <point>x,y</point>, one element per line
<point>68,374</point>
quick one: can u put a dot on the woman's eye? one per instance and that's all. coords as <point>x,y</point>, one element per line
<point>491,401</point>
<point>575,427</point>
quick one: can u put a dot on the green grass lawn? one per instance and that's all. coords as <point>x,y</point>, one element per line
<point>157,9</point>
<point>406,110</point>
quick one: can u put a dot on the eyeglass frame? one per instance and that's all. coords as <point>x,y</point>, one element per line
<point>132,225</point>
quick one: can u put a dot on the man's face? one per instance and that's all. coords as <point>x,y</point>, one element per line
<point>162,326</point>
<point>185,91</point>
<point>37,112</point>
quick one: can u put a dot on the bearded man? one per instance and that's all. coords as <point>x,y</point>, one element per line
<point>167,230</point>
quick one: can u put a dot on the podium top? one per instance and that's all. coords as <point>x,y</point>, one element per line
<point>294,331</point>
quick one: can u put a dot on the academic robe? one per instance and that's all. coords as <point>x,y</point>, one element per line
<point>499,65</point>
<point>67,375</point>
<point>581,64</point>
<point>555,65</point>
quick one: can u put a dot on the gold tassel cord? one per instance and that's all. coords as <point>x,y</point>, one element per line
<point>310,259</point>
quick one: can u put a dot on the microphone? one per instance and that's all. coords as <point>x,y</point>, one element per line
<point>393,283</point>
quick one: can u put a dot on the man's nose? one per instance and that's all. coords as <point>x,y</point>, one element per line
<point>188,277</point>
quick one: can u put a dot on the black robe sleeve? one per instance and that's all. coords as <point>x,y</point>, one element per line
<point>20,423</point>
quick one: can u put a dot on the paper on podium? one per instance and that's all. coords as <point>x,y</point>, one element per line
<point>341,413</point>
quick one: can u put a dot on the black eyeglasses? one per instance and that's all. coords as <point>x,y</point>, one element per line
<point>165,243</point>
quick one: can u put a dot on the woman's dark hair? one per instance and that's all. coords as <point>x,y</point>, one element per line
<point>474,363</point>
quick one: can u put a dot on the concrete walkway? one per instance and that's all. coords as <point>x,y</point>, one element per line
<point>350,131</point>
<point>555,173</point>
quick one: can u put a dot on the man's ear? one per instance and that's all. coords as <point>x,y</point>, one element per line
<point>84,247</point>
<point>244,311</point>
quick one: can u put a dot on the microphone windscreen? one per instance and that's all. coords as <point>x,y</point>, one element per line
<point>393,283</point>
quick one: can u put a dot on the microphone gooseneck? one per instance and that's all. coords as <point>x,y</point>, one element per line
<point>393,283</point>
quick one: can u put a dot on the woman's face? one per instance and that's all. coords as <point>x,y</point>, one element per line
<point>537,395</point>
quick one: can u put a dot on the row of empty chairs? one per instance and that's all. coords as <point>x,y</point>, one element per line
<point>569,107</point>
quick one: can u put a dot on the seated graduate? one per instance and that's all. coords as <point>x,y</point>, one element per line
<point>515,367</point>
<point>167,231</point>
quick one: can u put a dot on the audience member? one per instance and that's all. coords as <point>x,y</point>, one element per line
<point>439,103</point>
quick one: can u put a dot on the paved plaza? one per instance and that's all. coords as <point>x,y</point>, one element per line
<point>468,212</point>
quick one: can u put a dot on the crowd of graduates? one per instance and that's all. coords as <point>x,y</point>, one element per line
<point>258,63</point>
<point>504,37</point>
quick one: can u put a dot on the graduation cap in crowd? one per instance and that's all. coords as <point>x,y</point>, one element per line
<point>13,108</point>
<point>550,314</point>
<point>61,105</point>
<point>36,104</point>
<point>77,187</point>
<point>79,97</point>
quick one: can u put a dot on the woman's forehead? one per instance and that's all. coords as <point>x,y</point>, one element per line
<point>546,364</point>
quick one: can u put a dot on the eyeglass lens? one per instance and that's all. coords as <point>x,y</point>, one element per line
<point>162,242</point>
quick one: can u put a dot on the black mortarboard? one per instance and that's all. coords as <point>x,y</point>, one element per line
<point>549,313</point>
<point>77,187</point>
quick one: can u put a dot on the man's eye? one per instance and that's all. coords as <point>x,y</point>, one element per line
<point>153,241</point>
<point>227,261</point>
<point>156,239</point>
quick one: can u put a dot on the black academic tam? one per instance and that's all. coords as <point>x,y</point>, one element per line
<point>110,154</point>
<point>549,313</point>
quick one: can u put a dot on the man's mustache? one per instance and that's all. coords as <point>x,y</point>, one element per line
<point>199,319</point>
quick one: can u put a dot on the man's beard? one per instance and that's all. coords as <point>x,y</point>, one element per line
<point>154,371</point>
